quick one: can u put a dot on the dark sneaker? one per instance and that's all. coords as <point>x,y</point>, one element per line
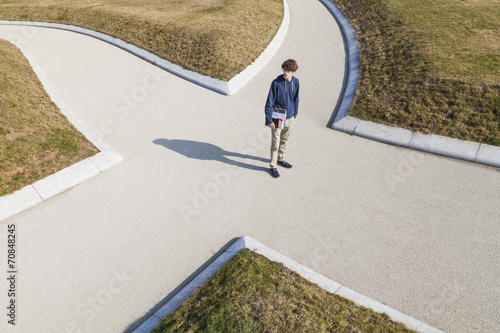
<point>275,173</point>
<point>285,164</point>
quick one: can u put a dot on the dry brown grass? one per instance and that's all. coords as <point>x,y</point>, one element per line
<point>432,67</point>
<point>463,36</point>
<point>253,294</point>
<point>36,140</point>
<point>218,38</point>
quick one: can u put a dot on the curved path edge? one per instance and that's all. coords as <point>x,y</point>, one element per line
<point>322,281</point>
<point>73,175</point>
<point>224,87</point>
<point>430,143</point>
<point>351,71</point>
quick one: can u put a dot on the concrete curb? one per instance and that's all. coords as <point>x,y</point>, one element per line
<point>430,143</point>
<point>436,144</point>
<point>223,87</point>
<point>310,275</point>
<point>73,175</point>
<point>351,71</point>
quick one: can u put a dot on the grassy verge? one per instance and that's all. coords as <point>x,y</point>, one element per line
<point>253,294</point>
<point>36,140</point>
<point>429,66</point>
<point>218,38</point>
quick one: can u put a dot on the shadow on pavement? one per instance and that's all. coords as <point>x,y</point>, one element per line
<point>207,151</point>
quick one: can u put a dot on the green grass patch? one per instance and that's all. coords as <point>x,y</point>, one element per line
<point>429,66</point>
<point>218,38</point>
<point>253,294</point>
<point>36,140</point>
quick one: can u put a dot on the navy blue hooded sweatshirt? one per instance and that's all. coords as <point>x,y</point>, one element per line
<point>283,95</point>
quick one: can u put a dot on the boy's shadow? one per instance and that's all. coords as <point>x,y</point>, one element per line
<point>207,151</point>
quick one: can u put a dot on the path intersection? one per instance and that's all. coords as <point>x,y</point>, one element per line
<point>417,232</point>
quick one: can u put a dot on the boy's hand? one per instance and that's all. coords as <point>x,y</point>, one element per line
<point>271,125</point>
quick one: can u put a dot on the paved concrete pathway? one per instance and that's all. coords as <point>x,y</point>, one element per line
<point>417,232</point>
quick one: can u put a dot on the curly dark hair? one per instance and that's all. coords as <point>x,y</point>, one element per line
<point>290,65</point>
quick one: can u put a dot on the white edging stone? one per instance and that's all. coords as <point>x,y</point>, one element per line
<point>367,302</point>
<point>351,72</point>
<point>224,87</point>
<point>347,124</point>
<point>184,294</point>
<point>66,178</point>
<point>383,133</point>
<point>197,282</point>
<point>15,203</point>
<point>303,271</point>
<point>489,155</point>
<point>431,143</point>
<point>308,274</point>
<point>73,175</point>
<point>443,145</point>
<point>106,159</point>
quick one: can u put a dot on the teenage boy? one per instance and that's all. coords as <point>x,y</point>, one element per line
<point>283,94</point>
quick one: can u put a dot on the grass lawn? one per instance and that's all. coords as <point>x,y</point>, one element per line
<point>36,140</point>
<point>429,66</point>
<point>213,37</point>
<point>218,38</point>
<point>253,294</point>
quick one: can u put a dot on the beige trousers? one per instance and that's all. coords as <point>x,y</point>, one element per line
<point>279,138</point>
